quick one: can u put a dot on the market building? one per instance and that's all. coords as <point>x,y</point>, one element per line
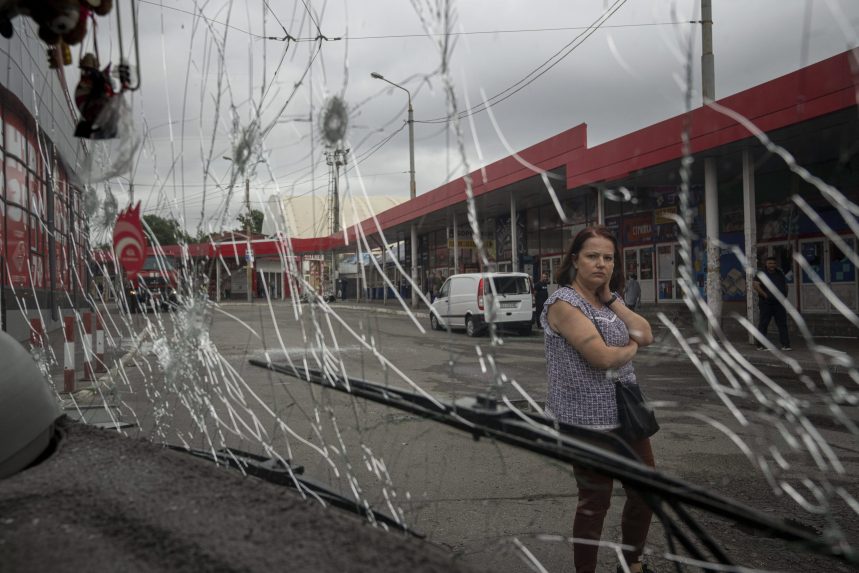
<point>791,187</point>
<point>43,230</point>
<point>633,185</point>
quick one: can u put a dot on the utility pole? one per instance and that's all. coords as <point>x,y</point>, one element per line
<point>249,255</point>
<point>412,188</point>
<point>336,159</point>
<point>412,195</point>
<point>711,183</point>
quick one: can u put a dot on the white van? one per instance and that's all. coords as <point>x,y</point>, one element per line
<point>466,300</point>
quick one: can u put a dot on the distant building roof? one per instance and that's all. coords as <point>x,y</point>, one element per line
<point>308,216</point>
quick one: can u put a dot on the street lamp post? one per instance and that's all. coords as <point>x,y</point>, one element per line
<point>412,189</point>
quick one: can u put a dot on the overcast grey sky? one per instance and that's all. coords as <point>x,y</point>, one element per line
<point>208,77</point>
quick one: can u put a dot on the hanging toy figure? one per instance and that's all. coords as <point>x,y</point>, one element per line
<point>94,96</point>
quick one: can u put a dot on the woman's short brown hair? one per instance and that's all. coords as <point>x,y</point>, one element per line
<point>566,271</point>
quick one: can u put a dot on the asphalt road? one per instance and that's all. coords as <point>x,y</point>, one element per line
<point>477,498</point>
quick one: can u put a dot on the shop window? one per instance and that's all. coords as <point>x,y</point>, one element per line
<point>37,270</point>
<point>14,138</point>
<point>16,182</point>
<point>665,267</point>
<point>16,245</point>
<point>841,269</point>
<point>32,154</point>
<point>576,210</point>
<point>35,234</point>
<point>549,217</point>
<point>612,206</point>
<point>569,233</point>
<point>532,220</point>
<point>552,241</point>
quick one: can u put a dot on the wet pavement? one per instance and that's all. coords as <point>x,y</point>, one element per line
<point>473,497</point>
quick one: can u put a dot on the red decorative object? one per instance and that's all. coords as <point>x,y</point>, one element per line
<point>129,242</point>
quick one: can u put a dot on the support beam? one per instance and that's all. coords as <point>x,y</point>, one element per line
<point>414,245</point>
<point>514,238</point>
<point>711,192</point>
<point>751,233</point>
<point>455,245</point>
<point>360,284</point>
<point>600,205</point>
<point>217,279</point>
<point>711,206</point>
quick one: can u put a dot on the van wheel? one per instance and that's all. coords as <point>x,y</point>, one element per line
<point>434,322</point>
<point>470,327</point>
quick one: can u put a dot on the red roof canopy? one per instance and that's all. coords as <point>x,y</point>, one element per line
<point>819,89</point>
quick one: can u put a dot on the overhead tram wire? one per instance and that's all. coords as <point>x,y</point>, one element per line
<point>289,37</point>
<point>537,72</point>
<point>516,31</point>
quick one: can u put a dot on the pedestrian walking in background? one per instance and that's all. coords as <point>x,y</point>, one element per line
<point>769,305</point>
<point>591,339</point>
<point>435,285</point>
<point>541,293</point>
<point>632,294</point>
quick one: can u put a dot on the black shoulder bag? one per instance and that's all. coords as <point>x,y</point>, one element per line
<point>637,419</point>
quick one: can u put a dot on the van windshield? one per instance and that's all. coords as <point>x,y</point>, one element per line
<point>156,264</point>
<point>511,285</point>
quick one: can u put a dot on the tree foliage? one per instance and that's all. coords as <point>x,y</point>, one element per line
<point>165,231</point>
<point>256,218</point>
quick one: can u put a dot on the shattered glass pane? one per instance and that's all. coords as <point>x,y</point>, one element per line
<point>304,212</point>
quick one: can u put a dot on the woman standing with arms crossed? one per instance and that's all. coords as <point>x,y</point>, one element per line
<point>591,339</point>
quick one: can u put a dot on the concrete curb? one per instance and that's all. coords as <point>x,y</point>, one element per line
<point>393,309</point>
<point>756,357</point>
<point>382,310</point>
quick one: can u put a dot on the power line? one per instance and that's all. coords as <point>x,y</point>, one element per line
<point>537,72</point>
<point>517,30</point>
<point>289,37</point>
<point>166,185</point>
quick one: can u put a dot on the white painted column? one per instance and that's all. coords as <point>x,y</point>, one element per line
<point>455,244</point>
<point>711,206</point>
<point>750,229</point>
<point>600,206</point>
<point>217,279</point>
<point>514,236</point>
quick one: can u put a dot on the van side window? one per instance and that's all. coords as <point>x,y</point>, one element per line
<point>445,289</point>
<point>511,285</point>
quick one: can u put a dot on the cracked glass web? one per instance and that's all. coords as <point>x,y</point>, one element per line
<point>259,98</point>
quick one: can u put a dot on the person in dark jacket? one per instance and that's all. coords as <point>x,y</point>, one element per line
<point>769,304</point>
<point>541,293</point>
